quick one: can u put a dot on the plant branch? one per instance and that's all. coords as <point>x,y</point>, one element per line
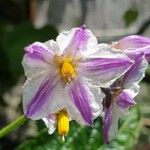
<point>12,126</point>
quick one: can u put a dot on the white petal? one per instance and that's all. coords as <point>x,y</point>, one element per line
<point>53,46</point>
<point>62,100</point>
<point>35,106</point>
<point>67,37</point>
<point>118,112</point>
<point>50,123</point>
<point>38,59</point>
<point>104,66</point>
<point>82,96</point>
<point>33,68</point>
<point>132,83</point>
<point>113,131</point>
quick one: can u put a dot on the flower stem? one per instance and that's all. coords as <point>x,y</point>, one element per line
<point>12,126</point>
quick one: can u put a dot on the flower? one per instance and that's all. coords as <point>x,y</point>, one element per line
<point>138,49</point>
<point>65,75</point>
<point>120,96</point>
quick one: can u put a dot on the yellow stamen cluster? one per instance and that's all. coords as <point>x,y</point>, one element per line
<point>67,71</point>
<point>63,123</point>
<point>66,66</point>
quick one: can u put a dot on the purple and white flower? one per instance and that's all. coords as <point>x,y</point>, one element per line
<point>120,96</point>
<point>66,74</point>
<point>138,49</point>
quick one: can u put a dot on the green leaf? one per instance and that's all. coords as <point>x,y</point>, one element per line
<point>16,38</point>
<point>88,137</point>
<point>130,16</point>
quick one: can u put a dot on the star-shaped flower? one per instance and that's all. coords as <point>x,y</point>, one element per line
<point>64,76</point>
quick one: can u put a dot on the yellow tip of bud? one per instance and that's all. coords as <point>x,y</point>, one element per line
<point>67,72</point>
<point>63,123</point>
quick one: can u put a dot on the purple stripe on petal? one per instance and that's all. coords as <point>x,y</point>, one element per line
<point>78,41</point>
<point>35,56</point>
<point>107,120</point>
<point>39,51</point>
<point>80,97</point>
<point>136,72</point>
<point>104,69</point>
<point>41,96</point>
<point>132,41</point>
<point>96,65</point>
<point>145,50</point>
<point>125,100</point>
<point>80,38</point>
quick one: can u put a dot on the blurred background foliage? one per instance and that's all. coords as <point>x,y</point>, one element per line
<point>22,22</point>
